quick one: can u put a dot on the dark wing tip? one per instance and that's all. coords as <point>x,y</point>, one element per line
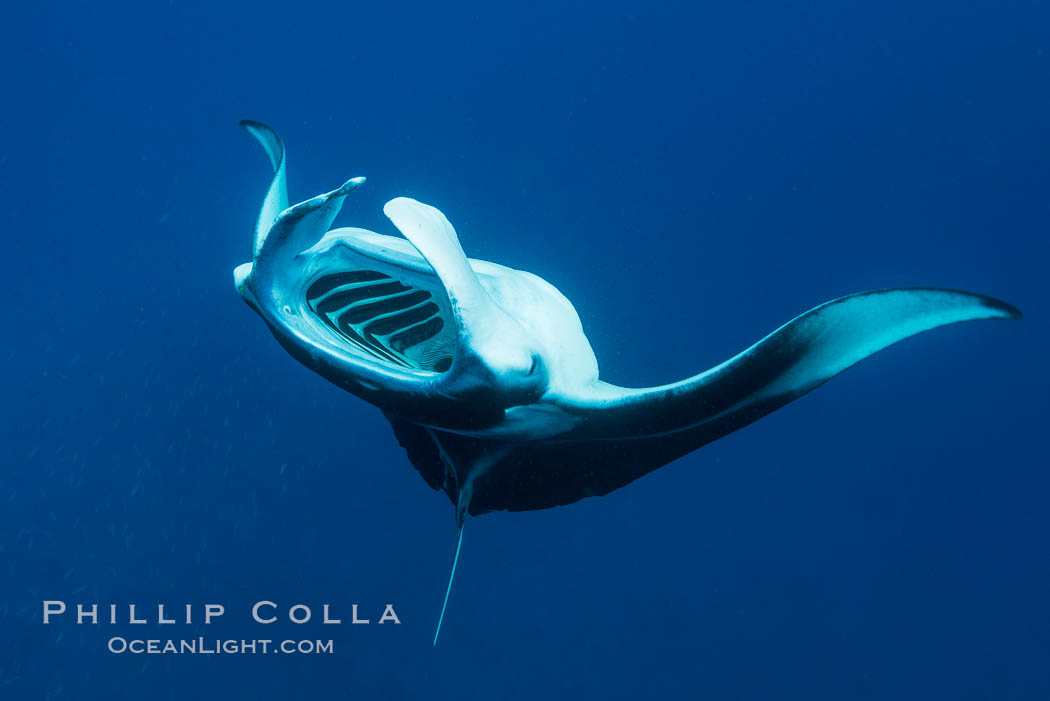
<point>1004,310</point>
<point>1009,311</point>
<point>268,138</point>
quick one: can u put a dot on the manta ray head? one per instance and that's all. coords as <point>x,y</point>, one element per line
<point>502,366</point>
<point>401,322</point>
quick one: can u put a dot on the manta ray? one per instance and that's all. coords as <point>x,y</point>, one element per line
<point>485,372</point>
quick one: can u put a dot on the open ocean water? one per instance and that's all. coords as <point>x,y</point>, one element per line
<point>691,176</point>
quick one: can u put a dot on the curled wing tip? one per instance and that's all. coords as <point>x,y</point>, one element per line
<point>268,138</point>
<point>256,128</point>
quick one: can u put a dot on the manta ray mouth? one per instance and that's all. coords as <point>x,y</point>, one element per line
<point>386,318</point>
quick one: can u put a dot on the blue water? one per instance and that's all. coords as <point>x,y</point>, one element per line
<point>691,177</point>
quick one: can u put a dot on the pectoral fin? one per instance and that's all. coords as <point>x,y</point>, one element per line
<point>793,360</point>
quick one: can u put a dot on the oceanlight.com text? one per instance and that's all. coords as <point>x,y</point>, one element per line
<point>214,646</point>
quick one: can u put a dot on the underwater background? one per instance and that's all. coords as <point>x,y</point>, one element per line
<point>691,176</point>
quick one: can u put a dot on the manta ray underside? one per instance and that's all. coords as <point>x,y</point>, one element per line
<point>485,373</point>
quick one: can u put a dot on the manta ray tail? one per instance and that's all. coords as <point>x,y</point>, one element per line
<point>448,589</point>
